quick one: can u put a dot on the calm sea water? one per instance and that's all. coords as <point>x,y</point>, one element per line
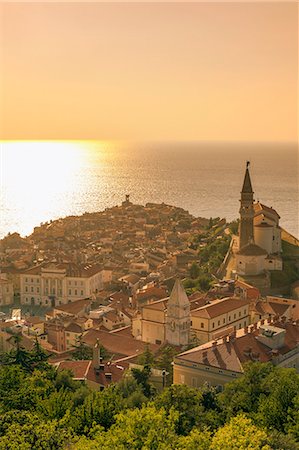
<point>47,180</point>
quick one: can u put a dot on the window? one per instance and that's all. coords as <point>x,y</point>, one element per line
<point>239,326</point>
<point>202,325</point>
<point>31,288</point>
<point>218,323</point>
<point>229,318</point>
<point>26,280</point>
<point>31,280</point>
<point>213,325</point>
<point>75,291</point>
<point>245,311</point>
<point>224,320</point>
<point>239,313</point>
<point>37,289</point>
<point>235,316</point>
<point>245,323</point>
<point>37,280</point>
<point>70,292</point>
<point>81,292</point>
<point>26,288</point>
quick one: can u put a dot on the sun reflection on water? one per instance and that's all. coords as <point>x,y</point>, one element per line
<point>38,180</point>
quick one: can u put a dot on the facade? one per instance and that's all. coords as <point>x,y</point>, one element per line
<point>219,318</point>
<point>57,284</point>
<point>166,320</point>
<point>221,361</point>
<point>6,291</point>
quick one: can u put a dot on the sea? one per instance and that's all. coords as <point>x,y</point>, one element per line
<point>42,181</point>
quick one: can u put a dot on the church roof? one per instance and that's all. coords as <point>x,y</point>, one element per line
<point>178,295</point>
<point>260,208</point>
<point>247,187</point>
<point>252,250</point>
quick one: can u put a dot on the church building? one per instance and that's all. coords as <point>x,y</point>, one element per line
<point>167,320</point>
<point>259,246</point>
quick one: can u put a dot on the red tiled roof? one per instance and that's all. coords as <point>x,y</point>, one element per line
<point>117,344</point>
<point>73,328</point>
<point>232,355</point>
<point>78,368</point>
<point>218,307</point>
<point>74,307</point>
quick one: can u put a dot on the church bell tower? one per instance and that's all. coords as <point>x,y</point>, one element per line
<point>178,316</point>
<point>246,211</point>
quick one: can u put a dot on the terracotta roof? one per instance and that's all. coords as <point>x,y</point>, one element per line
<point>231,355</point>
<point>78,368</point>
<point>74,307</point>
<point>111,373</point>
<point>117,344</point>
<point>130,278</point>
<point>71,269</point>
<point>218,307</point>
<point>159,305</point>
<point>73,328</point>
<point>252,250</point>
<point>34,320</point>
<point>152,292</point>
<point>259,208</point>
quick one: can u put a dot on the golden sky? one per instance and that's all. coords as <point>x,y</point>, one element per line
<point>198,71</point>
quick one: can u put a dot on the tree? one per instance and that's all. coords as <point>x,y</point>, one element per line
<point>142,377</point>
<point>194,271</point>
<point>145,428</point>
<point>240,434</point>
<point>196,440</point>
<point>147,357</point>
<point>164,361</point>
<point>19,355</point>
<point>243,394</point>
<point>281,386</point>
<point>187,402</point>
<point>82,351</point>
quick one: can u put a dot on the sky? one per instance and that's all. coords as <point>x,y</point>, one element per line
<point>149,71</point>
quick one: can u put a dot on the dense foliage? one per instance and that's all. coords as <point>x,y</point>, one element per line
<point>43,409</point>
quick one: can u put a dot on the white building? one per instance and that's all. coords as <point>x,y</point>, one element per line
<point>56,284</point>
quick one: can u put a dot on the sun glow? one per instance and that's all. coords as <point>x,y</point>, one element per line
<point>35,177</point>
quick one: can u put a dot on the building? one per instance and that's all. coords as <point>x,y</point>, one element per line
<point>165,320</point>
<point>219,318</point>
<point>96,373</point>
<point>220,361</point>
<point>57,284</point>
<point>6,291</point>
<point>259,243</point>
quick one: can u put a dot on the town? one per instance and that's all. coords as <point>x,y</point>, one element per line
<point>101,290</point>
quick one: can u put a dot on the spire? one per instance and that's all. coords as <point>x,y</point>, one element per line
<point>247,187</point>
<point>178,295</point>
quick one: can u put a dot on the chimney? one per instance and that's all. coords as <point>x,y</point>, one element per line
<point>108,376</point>
<point>96,355</point>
